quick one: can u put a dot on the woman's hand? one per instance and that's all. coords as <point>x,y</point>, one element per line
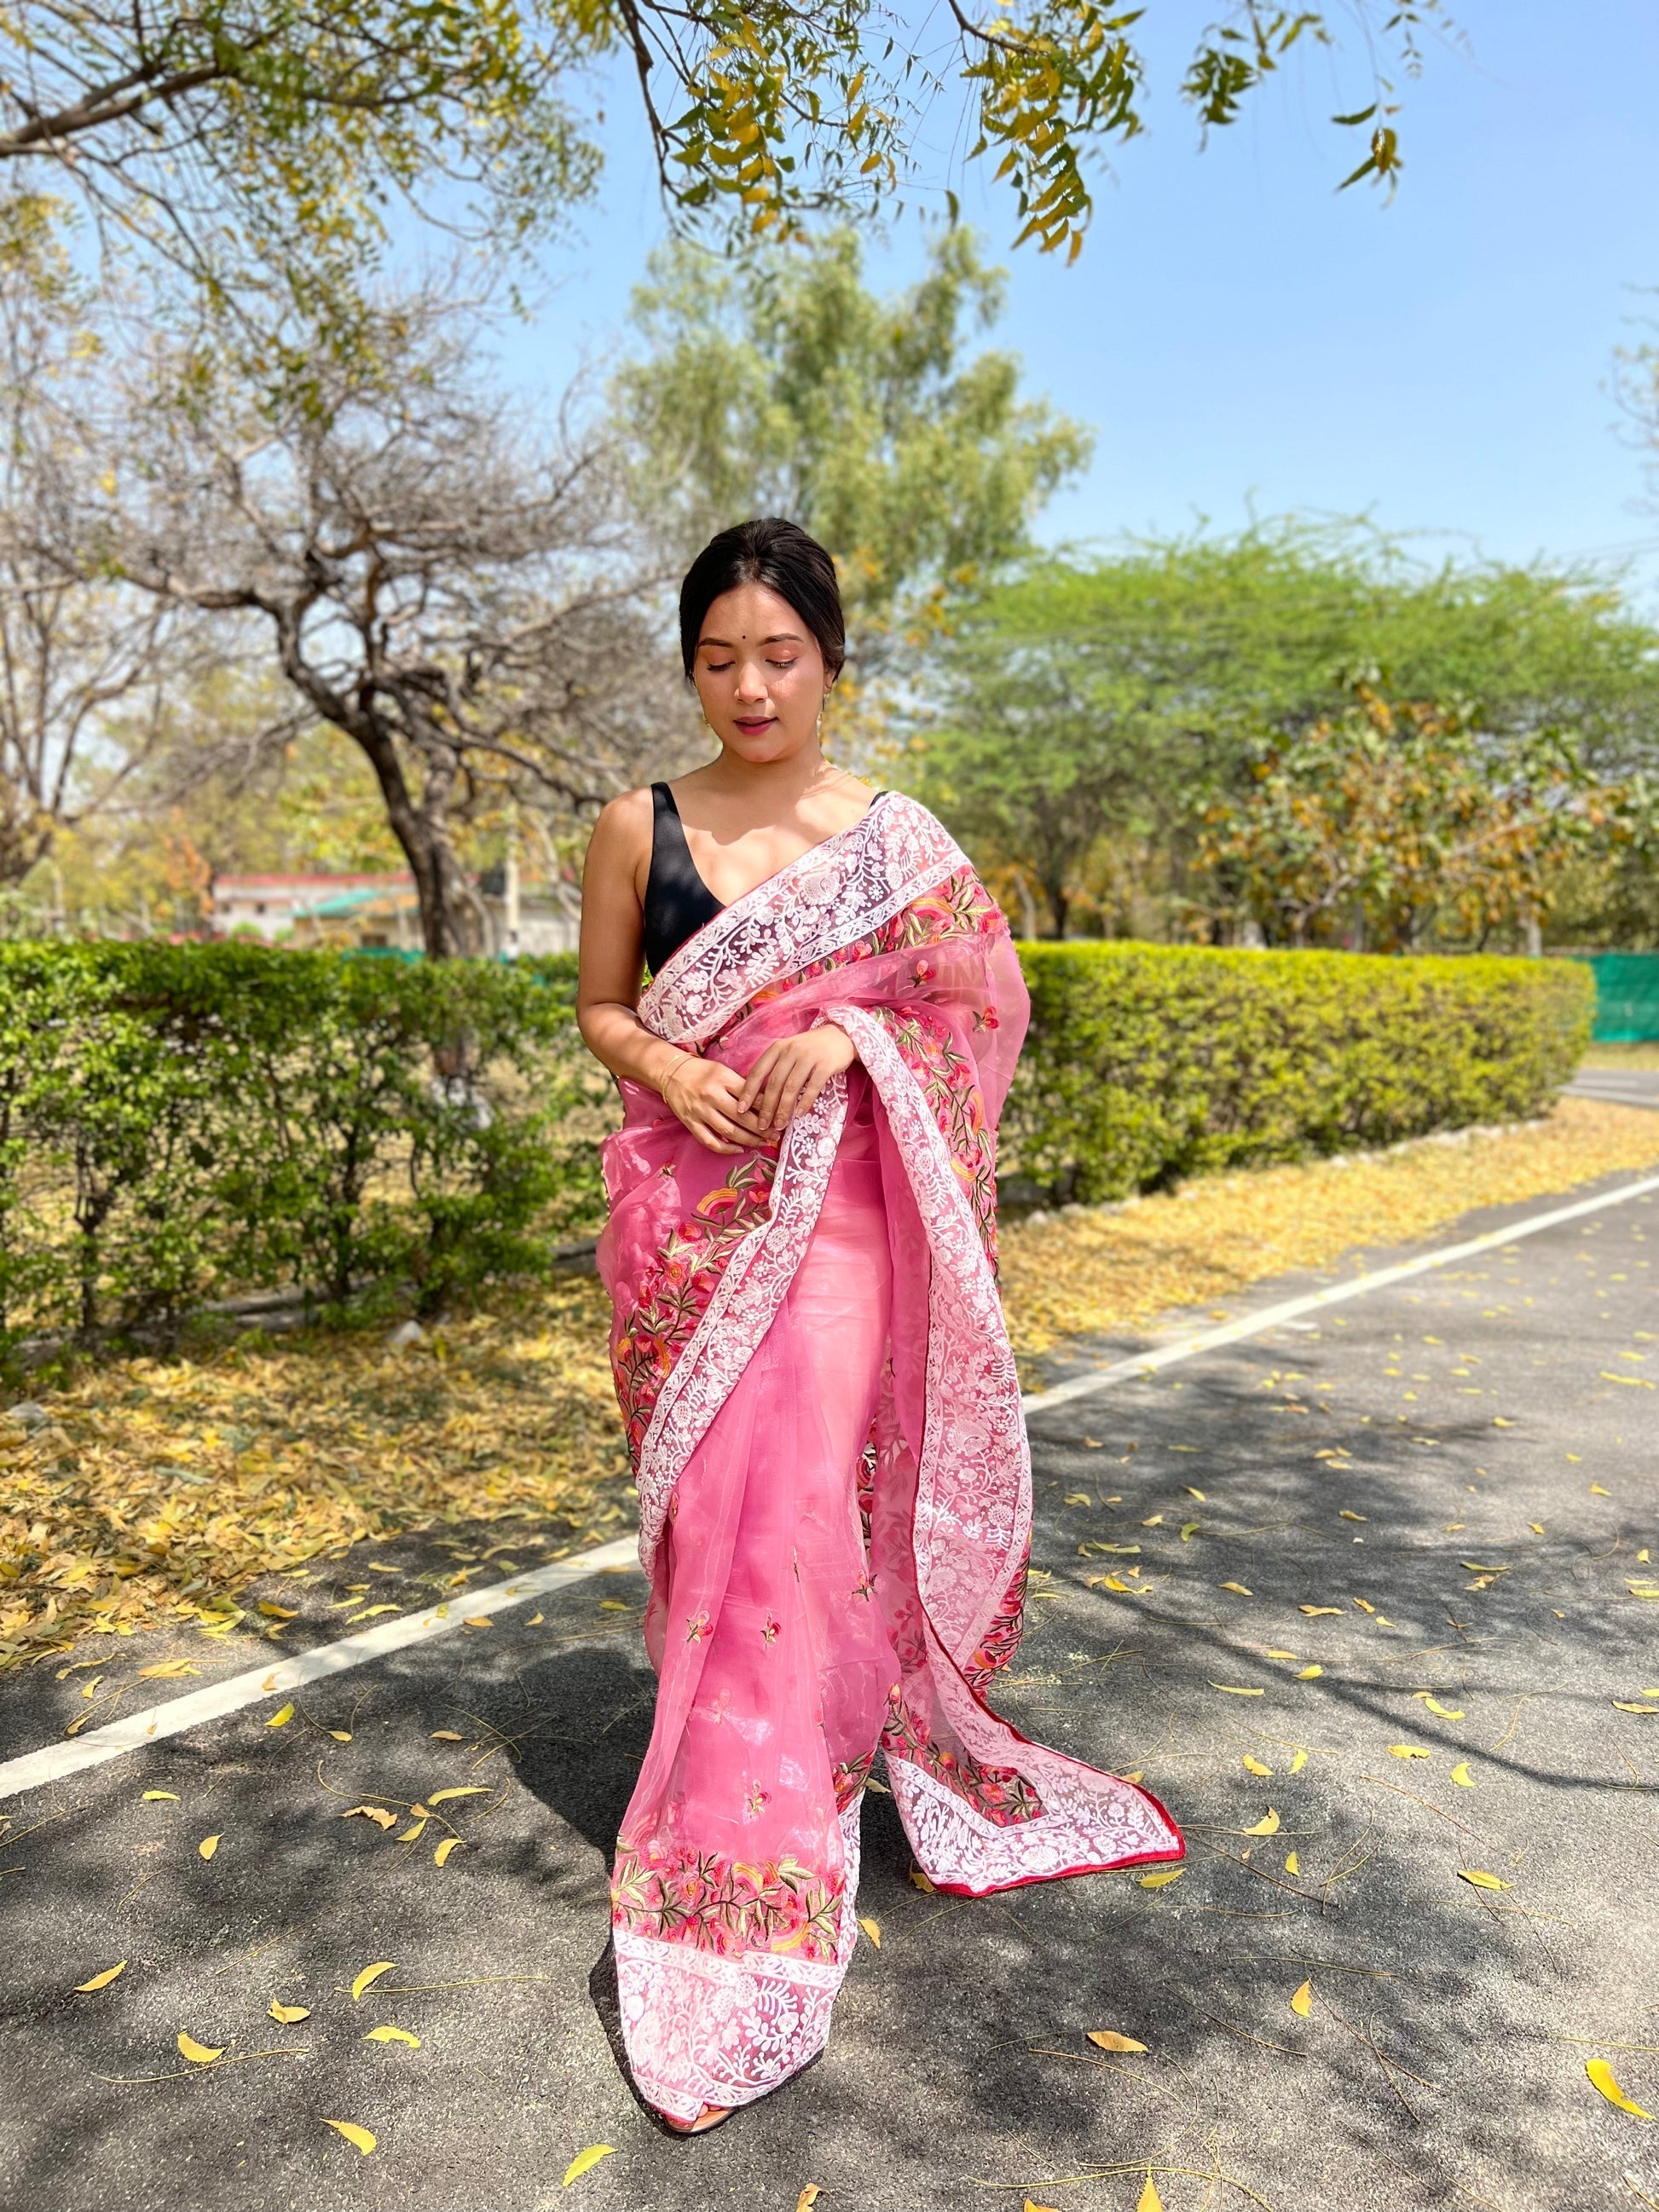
<point>788,1075</point>
<point>707,1097</point>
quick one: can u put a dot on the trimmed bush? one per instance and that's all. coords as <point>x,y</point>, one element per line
<point>179,1122</point>
<point>1146,1063</point>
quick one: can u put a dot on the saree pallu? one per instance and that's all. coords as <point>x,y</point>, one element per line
<point>824,1418</point>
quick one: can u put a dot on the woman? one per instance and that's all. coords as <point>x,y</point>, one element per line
<point>821,1404</point>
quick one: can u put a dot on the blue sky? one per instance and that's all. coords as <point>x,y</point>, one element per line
<point>1238,332</point>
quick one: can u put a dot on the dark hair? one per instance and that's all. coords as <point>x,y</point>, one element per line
<point>780,555</point>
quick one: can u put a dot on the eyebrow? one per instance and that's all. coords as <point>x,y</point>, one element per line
<point>778,637</point>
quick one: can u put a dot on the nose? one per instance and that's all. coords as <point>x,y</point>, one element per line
<point>751,681</point>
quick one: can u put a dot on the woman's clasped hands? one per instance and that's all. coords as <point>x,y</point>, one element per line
<point>729,1112</point>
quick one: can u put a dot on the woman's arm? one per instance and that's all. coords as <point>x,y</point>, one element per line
<point>704,1094</point>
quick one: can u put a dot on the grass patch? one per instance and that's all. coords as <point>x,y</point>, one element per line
<point>160,1490</point>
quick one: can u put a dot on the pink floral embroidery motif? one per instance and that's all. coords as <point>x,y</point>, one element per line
<point>755,1804</point>
<point>1000,1794</point>
<point>769,1628</point>
<point>719,1905</point>
<point>864,1587</point>
<point>697,1627</point>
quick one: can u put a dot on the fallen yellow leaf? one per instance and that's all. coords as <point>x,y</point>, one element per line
<point>1149,2200</point>
<point>808,2197</point>
<point>288,2014</point>
<point>446,1735</point>
<point>1596,1491</point>
<point>281,1718</point>
<point>99,1981</point>
<point>368,1975</point>
<point>1268,1825</point>
<point>1310,1673</point>
<point>341,1735</point>
<point>360,2137</point>
<point>412,1835</point>
<point>1189,1528</point>
<point>1164,1875</point>
<point>1482,1880</point>
<point>1292,1865</point>
<point>1312,1610</point>
<point>208,1845</point>
<point>1031,2205</point>
<point>198,2053</point>
<point>1079,1497</point>
<point>477,1620</point>
<point>1255,1766</point>
<point>277,1612</point>
<point>167,1670</point>
<point>377,1813</point>
<point>1110,2039</point>
<point>1298,1762</point>
<point>1600,2074</point>
<point>1233,1690</point>
<point>393,2035</point>
<point>448,1845</point>
<point>1283,1654</point>
<point>1445,1712</point>
<point>1344,1514</point>
<point>922,1881</point>
<point>1408,1750</point>
<point>621,1604</point>
<point>161,1796</point>
<point>471,1789</point>
<point>1301,2003</point>
<point>535,1620</point>
<point>585,2160</point>
<point>1461,1774</point>
<point>872,1930</point>
<point>1239,1588</point>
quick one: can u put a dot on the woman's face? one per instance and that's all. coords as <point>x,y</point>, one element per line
<point>759,674</point>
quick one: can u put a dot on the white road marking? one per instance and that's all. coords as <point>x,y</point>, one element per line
<point>211,1703</point>
<point>1290,1309</point>
<point>56,1760</point>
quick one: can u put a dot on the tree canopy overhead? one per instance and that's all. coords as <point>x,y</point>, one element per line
<point>256,146</point>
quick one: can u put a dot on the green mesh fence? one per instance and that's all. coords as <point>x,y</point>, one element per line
<point>1626,996</point>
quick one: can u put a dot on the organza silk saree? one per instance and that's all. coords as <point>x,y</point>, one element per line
<point>835,1487</point>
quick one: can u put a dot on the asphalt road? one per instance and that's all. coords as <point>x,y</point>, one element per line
<point>1501,1413</point>
<point>1617,1086</point>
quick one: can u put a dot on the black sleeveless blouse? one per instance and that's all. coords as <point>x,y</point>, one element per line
<point>678,902</point>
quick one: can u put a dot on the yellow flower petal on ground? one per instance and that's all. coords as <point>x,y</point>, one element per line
<point>1267,1825</point>
<point>585,2162</point>
<point>360,2137</point>
<point>1110,2039</point>
<point>208,1845</point>
<point>1600,2074</point>
<point>393,2035</point>
<point>1461,1775</point>
<point>1302,2002</point>
<point>288,2014</point>
<point>198,2053</point>
<point>99,1981</point>
<point>1482,1880</point>
<point>370,1976</point>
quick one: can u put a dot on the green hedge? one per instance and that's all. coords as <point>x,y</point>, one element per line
<point>182,1124</point>
<point>1146,1063</point>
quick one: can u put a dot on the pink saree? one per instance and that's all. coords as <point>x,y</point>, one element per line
<point>834,1485</point>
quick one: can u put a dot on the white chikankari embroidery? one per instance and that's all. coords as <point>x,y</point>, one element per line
<point>1081,1827</point>
<point>743,1308</point>
<point>705,2030</point>
<point>829,897</point>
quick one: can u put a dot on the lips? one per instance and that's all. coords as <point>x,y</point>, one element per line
<point>751,728</point>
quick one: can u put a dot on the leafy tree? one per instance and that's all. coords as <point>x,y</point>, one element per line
<point>254,148</point>
<point>1127,695</point>
<point>1369,827</point>
<point>781,384</point>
